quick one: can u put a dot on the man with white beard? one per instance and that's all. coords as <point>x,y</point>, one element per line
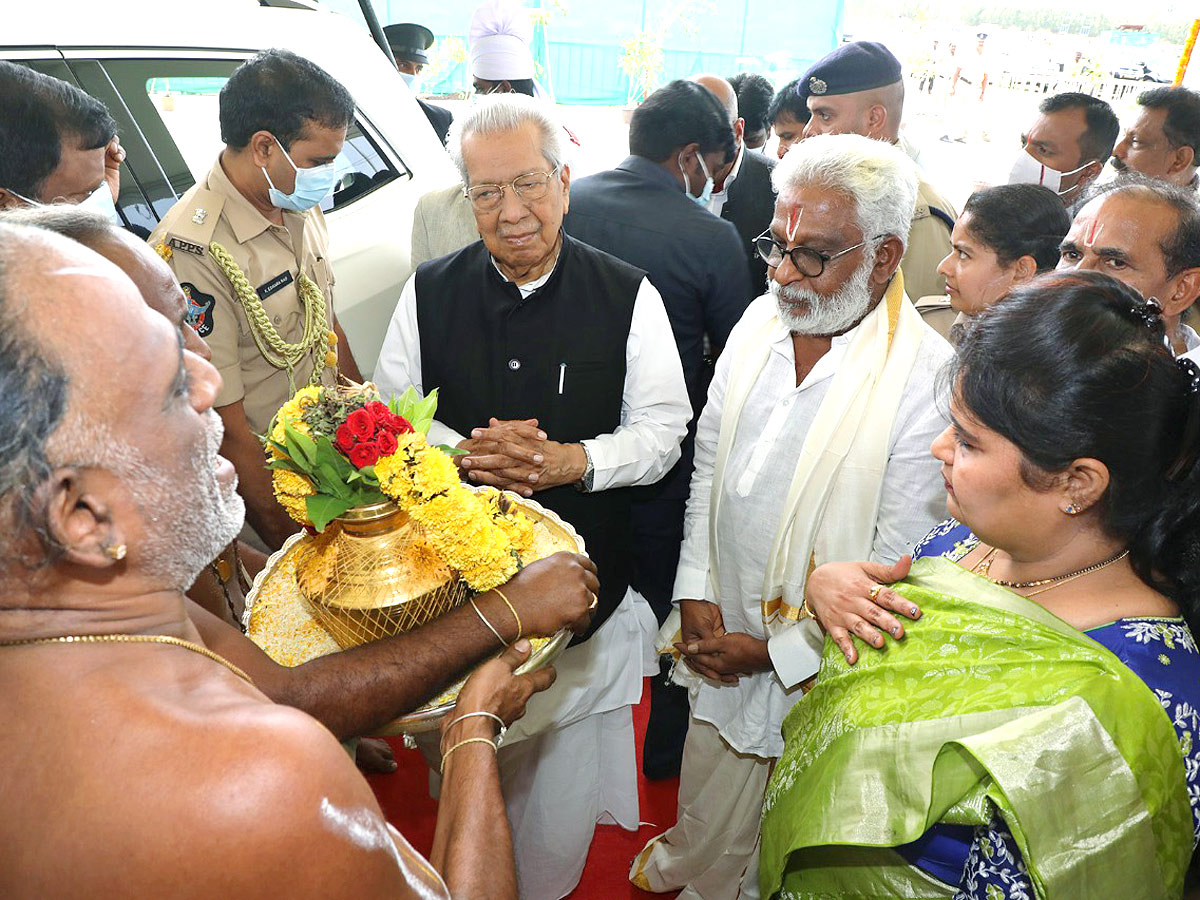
<point>814,446</point>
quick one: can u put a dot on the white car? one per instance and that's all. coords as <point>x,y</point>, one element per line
<point>158,67</point>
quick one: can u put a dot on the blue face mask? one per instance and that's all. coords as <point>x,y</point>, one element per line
<point>312,186</point>
<point>706,194</point>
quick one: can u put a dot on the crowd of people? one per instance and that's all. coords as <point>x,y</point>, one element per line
<point>899,506</point>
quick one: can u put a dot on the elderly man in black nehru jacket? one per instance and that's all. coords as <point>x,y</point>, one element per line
<point>557,373</point>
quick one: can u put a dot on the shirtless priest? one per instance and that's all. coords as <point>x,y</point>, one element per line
<point>138,762</point>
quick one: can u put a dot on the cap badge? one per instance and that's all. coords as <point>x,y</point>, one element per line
<point>817,86</point>
<point>199,215</point>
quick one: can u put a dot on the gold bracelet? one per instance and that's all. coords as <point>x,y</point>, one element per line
<point>463,743</point>
<point>483,618</point>
<point>512,610</point>
<point>471,715</point>
<point>806,610</point>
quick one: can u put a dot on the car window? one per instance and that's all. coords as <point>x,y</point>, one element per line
<point>175,105</point>
<point>132,204</point>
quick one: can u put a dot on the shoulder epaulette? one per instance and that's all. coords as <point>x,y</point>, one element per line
<point>190,224</point>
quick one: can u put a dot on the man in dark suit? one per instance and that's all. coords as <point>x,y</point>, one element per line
<point>409,43</point>
<point>743,194</point>
<point>652,212</point>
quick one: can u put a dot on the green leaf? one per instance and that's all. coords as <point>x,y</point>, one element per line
<point>300,447</point>
<point>367,496</point>
<point>366,475</point>
<point>285,464</point>
<point>417,411</point>
<point>451,451</point>
<point>330,482</point>
<point>323,509</point>
<point>329,455</point>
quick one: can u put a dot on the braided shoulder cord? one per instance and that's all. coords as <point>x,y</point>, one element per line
<point>275,350</point>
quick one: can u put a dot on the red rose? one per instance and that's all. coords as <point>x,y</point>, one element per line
<point>400,425</point>
<point>362,424</point>
<point>345,438</point>
<point>364,454</point>
<point>379,412</point>
<point>386,442</point>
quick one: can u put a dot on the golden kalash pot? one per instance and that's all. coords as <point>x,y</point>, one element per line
<point>372,574</point>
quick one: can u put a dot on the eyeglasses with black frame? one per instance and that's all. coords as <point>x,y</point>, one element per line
<point>530,187</point>
<point>808,262</point>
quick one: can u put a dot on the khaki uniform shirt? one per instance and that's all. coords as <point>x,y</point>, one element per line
<point>939,315</point>
<point>271,257</point>
<point>928,242</point>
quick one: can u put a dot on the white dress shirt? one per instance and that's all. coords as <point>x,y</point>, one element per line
<point>1191,343</point>
<point>774,421</point>
<point>654,402</point>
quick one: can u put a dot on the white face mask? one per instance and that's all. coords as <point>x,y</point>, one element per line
<point>413,81</point>
<point>1027,170</point>
<point>706,193</point>
<point>101,201</point>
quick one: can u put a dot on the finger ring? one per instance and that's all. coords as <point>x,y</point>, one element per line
<point>873,593</point>
<point>595,602</point>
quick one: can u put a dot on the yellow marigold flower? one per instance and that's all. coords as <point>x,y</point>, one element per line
<point>288,482</point>
<point>291,489</point>
<point>467,529</point>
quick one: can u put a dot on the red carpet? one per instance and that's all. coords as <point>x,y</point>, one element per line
<point>404,796</point>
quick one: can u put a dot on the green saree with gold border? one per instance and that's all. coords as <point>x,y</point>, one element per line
<point>989,705</point>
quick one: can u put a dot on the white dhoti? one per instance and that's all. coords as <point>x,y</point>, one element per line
<point>711,852</point>
<point>570,761</point>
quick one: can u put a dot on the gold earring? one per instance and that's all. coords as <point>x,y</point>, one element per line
<point>1072,510</point>
<point>116,552</point>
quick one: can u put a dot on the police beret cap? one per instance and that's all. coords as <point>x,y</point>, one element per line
<point>860,66</point>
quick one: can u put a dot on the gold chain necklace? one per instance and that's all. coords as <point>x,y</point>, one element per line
<point>984,566</point>
<point>131,639</point>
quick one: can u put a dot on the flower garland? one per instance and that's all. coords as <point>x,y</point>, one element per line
<point>1186,56</point>
<point>470,531</point>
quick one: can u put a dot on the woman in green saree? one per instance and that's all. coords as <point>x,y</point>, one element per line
<point>1035,733</point>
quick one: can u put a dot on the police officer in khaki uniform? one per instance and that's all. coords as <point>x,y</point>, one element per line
<point>249,245</point>
<point>859,89</point>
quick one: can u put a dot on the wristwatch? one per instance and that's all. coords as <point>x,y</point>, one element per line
<point>589,472</point>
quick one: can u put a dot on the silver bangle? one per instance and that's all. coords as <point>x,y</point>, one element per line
<point>482,714</point>
<point>483,618</point>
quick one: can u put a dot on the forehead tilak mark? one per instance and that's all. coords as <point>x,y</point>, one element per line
<point>1093,234</point>
<point>793,223</point>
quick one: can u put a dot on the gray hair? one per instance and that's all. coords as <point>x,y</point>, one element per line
<point>33,399</point>
<point>880,179</point>
<point>80,224</point>
<point>502,113</point>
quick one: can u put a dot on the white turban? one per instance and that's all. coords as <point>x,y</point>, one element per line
<point>500,35</point>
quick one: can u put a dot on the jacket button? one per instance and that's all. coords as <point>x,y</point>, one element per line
<point>514,364</point>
